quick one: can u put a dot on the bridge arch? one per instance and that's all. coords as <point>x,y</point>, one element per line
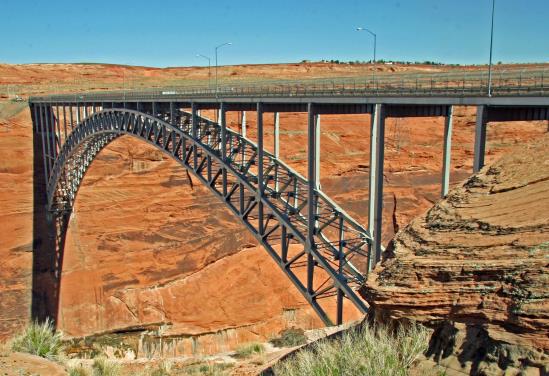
<point>266,195</point>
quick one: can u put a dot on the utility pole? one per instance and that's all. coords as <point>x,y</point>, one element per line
<point>375,45</point>
<point>209,68</point>
<point>491,44</point>
<point>217,48</point>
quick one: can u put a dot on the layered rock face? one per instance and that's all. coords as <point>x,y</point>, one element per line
<point>145,247</point>
<point>478,260</point>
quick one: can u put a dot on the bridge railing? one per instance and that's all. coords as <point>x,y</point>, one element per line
<point>504,83</point>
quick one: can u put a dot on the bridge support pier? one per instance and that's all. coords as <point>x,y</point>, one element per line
<point>276,145</point>
<point>194,125</point>
<point>447,152</point>
<point>260,178</point>
<point>276,135</point>
<point>312,151</point>
<point>480,138</point>
<point>243,124</point>
<point>377,155</point>
<point>317,151</point>
<point>223,123</point>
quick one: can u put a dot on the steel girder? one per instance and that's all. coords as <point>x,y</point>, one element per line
<point>269,197</point>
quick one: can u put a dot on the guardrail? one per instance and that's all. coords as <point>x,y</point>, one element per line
<point>504,83</point>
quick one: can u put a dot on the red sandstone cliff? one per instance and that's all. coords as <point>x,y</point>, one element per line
<point>478,261</point>
<point>144,247</point>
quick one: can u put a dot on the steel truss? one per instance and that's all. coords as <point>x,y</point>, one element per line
<point>323,251</point>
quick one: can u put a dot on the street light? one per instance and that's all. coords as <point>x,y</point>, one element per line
<point>218,47</point>
<point>491,43</point>
<point>209,68</point>
<point>375,44</point>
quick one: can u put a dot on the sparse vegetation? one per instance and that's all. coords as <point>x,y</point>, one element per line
<point>79,370</point>
<point>250,349</point>
<point>39,339</point>
<point>209,369</point>
<point>163,369</point>
<point>290,338</point>
<point>104,367</point>
<point>374,351</point>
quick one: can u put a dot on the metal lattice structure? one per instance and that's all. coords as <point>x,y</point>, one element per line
<point>268,196</point>
<point>320,248</point>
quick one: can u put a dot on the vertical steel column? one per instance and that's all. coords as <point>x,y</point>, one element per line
<point>77,113</point>
<point>341,257</point>
<point>153,108</point>
<point>194,124</point>
<point>85,110</point>
<point>48,137</point>
<point>480,139</point>
<point>447,154</point>
<point>57,130</point>
<point>71,119</point>
<point>53,134</point>
<point>260,180</point>
<point>380,155</point>
<point>243,123</point>
<point>65,122</point>
<point>317,151</point>
<point>40,127</point>
<point>222,121</point>
<point>276,137</point>
<point>312,126</point>
<point>374,119</point>
<point>172,113</point>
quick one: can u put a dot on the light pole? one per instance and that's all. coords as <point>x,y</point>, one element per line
<point>218,47</point>
<point>209,68</point>
<point>491,43</point>
<point>375,44</point>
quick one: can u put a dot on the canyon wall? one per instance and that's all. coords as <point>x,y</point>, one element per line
<point>475,266</point>
<point>147,246</point>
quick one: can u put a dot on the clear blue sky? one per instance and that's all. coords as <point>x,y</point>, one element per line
<point>170,32</point>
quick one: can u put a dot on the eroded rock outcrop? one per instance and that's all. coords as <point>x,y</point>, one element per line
<point>478,261</point>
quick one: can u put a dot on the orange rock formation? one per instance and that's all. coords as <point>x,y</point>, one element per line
<point>145,247</point>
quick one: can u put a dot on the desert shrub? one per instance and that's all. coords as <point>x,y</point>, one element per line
<point>374,351</point>
<point>39,339</point>
<point>164,368</point>
<point>208,369</point>
<point>79,370</point>
<point>250,349</point>
<point>290,338</point>
<point>104,367</point>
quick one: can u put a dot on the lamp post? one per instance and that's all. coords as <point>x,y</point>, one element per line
<point>217,48</point>
<point>375,44</point>
<point>491,43</point>
<point>209,69</point>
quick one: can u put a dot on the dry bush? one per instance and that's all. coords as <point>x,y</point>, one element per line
<point>250,349</point>
<point>368,350</point>
<point>104,367</point>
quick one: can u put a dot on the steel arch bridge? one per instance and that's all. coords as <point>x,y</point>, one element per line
<point>268,197</point>
<point>321,249</point>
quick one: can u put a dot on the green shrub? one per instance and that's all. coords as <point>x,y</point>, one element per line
<point>79,370</point>
<point>39,339</point>
<point>104,367</point>
<point>163,369</point>
<point>250,349</point>
<point>373,351</point>
<point>208,369</point>
<point>290,338</point>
